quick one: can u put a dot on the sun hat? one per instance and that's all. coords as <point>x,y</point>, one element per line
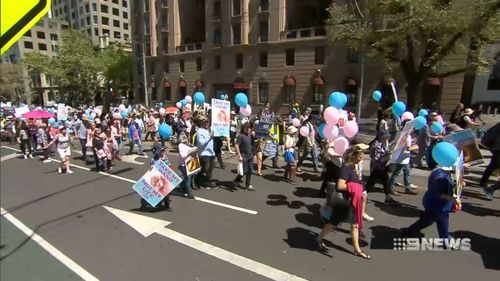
<point>468,111</point>
<point>291,130</point>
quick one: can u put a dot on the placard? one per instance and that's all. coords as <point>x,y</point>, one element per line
<point>192,162</point>
<point>400,145</point>
<point>221,117</point>
<point>62,112</point>
<point>466,142</point>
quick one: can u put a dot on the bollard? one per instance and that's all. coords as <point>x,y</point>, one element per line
<point>495,112</point>
<point>488,111</point>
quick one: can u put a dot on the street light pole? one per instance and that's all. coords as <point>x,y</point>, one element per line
<point>146,98</point>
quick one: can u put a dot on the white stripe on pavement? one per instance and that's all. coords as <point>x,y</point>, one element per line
<point>8,157</point>
<point>80,271</point>
<point>201,199</point>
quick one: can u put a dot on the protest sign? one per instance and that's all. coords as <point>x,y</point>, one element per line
<point>157,183</point>
<point>221,117</point>
<point>192,162</point>
<point>400,146</point>
<point>343,117</point>
<point>263,128</point>
<point>459,174</point>
<point>62,112</point>
<point>466,142</point>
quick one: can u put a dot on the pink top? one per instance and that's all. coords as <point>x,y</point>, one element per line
<point>184,151</point>
<point>356,193</point>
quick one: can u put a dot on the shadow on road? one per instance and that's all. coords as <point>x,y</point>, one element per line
<point>400,210</point>
<point>476,210</point>
<point>487,247</point>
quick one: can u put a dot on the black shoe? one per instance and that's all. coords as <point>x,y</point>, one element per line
<point>390,201</point>
<point>190,196</point>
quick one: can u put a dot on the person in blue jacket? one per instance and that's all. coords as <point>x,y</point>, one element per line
<point>135,137</point>
<point>438,202</point>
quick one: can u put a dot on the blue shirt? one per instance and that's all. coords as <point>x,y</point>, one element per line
<point>205,142</point>
<point>81,130</point>
<point>439,183</point>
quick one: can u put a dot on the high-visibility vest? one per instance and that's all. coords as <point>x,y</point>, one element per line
<point>275,130</point>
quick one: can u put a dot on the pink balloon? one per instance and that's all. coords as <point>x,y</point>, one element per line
<point>331,115</point>
<point>162,111</point>
<point>246,111</point>
<point>121,107</point>
<point>407,116</point>
<point>331,132</point>
<point>296,122</point>
<point>304,131</point>
<point>341,145</point>
<point>439,118</point>
<point>178,105</point>
<point>350,129</point>
<point>97,111</point>
<point>189,99</point>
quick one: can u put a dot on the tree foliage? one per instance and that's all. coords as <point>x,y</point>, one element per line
<point>416,35</point>
<point>12,81</point>
<point>81,70</point>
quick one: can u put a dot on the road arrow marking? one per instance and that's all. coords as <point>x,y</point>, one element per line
<point>76,268</point>
<point>147,226</point>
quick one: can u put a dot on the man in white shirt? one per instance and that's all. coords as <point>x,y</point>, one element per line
<point>402,163</point>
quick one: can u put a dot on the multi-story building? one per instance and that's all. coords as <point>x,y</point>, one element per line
<point>43,38</point>
<point>102,20</point>
<point>273,50</point>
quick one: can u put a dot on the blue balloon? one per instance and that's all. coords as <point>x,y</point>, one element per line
<point>437,128</point>
<point>199,98</point>
<point>165,131</point>
<point>91,118</point>
<point>420,122</point>
<point>377,95</point>
<point>445,154</point>
<point>337,100</point>
<point>160,104</point>
<point>320,130</point>
<point>289,156</point>
<point>123,114</point>
<point>241,99</point>
<point>52,120</point>
<point>184,102</point>
<point>423,113</point>
<point>222,96</point>
<point>398,108</point>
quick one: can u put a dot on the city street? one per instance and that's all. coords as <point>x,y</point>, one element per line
<point>222,235</point>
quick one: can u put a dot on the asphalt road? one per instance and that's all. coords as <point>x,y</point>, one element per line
<point>67,211</point>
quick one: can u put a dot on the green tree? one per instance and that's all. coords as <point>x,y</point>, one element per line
<point>12,82</point>
<point>416,35</point>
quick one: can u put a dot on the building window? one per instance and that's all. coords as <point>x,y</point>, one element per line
<point>237,33</point>
<point>94,7</point>
<point>290,57</point>
<point>125,26</point>
<point>28,45</point>
<point>217,62</point>
<point>217,39</point>
<point>42,47</point>
<point>199,64</point>
<point>124,3</point>
<point>116,2</point>
<point>104,9</point>
<point>87,8</point>
<point>146,5</point>
<point>54,37</point>
<point>96,19</point>
<point>236,7</point>
<point>104,21</point>
<point>264,31</point>
<point>319,55</point>
<point>148,49</point>
<point>217,15</point>
<point>317,94</point>
<point>116,12</point>
<point>105,32</point>
<point>125,15</point>
<point>181,65</point>
<point>117,35</point>
<point>168,93</point>
<point>165,45</point>
<point>40,35</point>
<point>263,93</point>
<point>116,23</point>
<point>264,5</point>
<point>239,60</point>
<point>125,36</point>
<point>147,25</point>
<point>88,20</point>
<point>96,31</point>
<point>166,67</point>
<point>263,59</point>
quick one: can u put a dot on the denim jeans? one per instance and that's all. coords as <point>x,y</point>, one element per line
<point>396,170</point>
<point>187,181</point>
<point>83,144</point>
<point>314,155</point>
<point>133,143</point>
<point>427,218</point>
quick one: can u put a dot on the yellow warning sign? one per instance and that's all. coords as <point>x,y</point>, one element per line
<point>17,17</point>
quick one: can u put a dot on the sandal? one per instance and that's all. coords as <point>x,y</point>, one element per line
<point>362,254</point>
<point>322,247</point>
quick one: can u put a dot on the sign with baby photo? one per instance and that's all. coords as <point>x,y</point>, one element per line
<point>221,117</point>
<point>157,183</point>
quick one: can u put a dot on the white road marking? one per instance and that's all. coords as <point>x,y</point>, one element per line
<point>197,198</point>
<point>80,271</point>
<point>8,157</point>
<point>147,226</point>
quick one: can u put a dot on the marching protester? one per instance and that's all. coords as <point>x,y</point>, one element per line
<point>243,148</point>
<point>81,128</point>
<point>43,140</point>
<point>185,148</point>
<point>24,139</point>
<point>63,142</point>
<point>290,140</point>
<point>205,144</point>
<point>309,145</point>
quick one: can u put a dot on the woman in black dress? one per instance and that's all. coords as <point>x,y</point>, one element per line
<point>341,205</point>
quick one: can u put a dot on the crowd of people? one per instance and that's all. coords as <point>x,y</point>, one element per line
<point>102,137</point>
